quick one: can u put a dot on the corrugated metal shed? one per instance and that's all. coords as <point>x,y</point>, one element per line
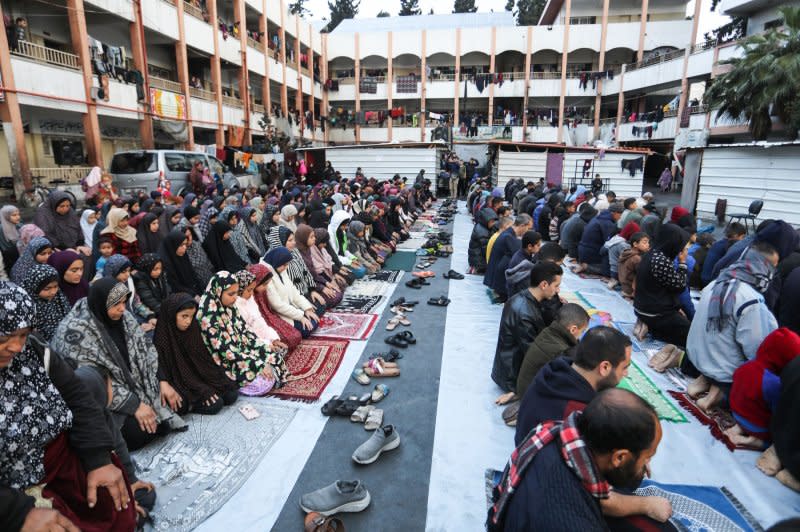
<point>531,165</point>
<point>743,173</point>
<point>384,163</point>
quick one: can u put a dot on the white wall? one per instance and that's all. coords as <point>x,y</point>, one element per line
<point>384,163</point>
<point>743,174</point>
<point>37,77</point>
<point>529,166</point>
<point>161,17</point>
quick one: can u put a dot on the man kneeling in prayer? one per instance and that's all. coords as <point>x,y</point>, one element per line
<point>560,476</point>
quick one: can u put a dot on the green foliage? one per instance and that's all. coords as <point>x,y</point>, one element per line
<point>340,10</point>
<point>464,6</point>
<point>763,82</point>
<point>510,5</point>
<point>409,7</point>
<point>529,11</point>
<point>383,14</point>
<point>298,8</point>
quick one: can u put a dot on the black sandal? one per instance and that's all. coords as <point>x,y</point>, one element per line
<point>414,283</point>
<point>440,301</point>
<point>348,406</point>
<point>408,336</point>
<point>396,340</point>
<point>329,408</point>
<point>391,356</point>
<point>452,274</point>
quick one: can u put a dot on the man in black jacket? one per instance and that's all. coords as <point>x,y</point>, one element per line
<point>521,322</point>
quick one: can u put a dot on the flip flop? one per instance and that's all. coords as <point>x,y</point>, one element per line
<point>385,372</point>
<point>374,420</point>
<point>414,283</point>
<point>396,340</point>
<point>361,413</point>
<point>392,325</point>
<point>440,301</point>
<point>348,406</point>
<point>391,356</point>
<point>408,336</point>
<point>360,377</point>
<point>329,408</point>
<point>380,391</point>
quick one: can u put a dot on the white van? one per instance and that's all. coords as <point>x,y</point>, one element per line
<point>140,170</point>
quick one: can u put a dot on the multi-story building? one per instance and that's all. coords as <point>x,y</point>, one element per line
<point>177,73</point>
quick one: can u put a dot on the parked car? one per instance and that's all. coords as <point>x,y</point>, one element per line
<point>140,170</point>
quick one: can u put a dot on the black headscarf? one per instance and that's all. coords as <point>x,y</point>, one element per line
<point>149,242</point>
<point>183,356</point>
<point>316,216</point>
<point>180,274</point>
<point>63,230</point>
<point>104,294</point>
<point>220,251</point>
<point>671,240</point>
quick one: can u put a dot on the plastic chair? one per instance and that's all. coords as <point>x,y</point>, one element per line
<point>750,216</point>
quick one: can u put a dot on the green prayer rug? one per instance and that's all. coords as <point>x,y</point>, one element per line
<point>639,383</point>
<point>401,260</point>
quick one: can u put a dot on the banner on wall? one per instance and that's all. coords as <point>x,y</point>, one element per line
<point>167,104</point>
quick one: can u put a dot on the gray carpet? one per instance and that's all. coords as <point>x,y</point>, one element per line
<point>398,481</point>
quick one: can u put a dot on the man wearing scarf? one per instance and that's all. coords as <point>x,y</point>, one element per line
<point>559,474</point>
<point>731,322</point>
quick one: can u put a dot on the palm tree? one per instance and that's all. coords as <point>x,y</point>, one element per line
<point>764,81</point>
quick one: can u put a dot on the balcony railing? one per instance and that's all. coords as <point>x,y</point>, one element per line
<point>545,75</point>
<point>202,94</point>
<point>442,77</point>
<point>252,43</point>
<point>170,2</point>
<point>258,108</point>
<point>194,11</point>
<point>166,84</point>
<point>43,54</point>
<point>662,58</point>
<point>70,174</point>
<point>703,46</point>
<point>232,101</point>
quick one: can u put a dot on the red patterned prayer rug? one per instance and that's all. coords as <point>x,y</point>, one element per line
<point>718,420</point>
<point>345,326</point>
<point>312,365</point>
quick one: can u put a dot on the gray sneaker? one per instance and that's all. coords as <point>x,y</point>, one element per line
<point>385,438</point>
<point>341,496</point>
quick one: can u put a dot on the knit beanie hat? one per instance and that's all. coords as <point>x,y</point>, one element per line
<point>782,237</point>
<point>629,229</point>
<point>356,227</point>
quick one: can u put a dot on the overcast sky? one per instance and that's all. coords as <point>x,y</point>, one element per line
<point>370,8</point>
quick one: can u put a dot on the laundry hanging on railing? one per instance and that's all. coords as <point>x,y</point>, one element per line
<point>586,77</point>
<point>632,165</point>
<point>406,84</point>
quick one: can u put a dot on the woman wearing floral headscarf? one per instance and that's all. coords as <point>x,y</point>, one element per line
<point>121,234</point>
<point>41,283</point>
<point>101,333</point>
<point>60,445</point>
<point>245,358</point>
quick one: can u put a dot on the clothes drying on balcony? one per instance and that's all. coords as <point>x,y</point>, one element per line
<point>406,84</point>
<point>586,77</point>
<point>632,165</point>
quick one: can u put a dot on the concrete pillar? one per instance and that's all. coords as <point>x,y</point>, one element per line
<point>620,100</point>
<point>80,43</point>
<point>284,92</point>
<point>389,82</point>
<point>424,90</point>
<point>493,48</point>
<point>324,110</point>
<point>643,30</point>
<point>564,56</point>
<point>266,97</point>
<point>139,51</point>
<point>684,78</point>
<point>457,83</point>
<point>298,96</point>
<point>528,51</point>
<point>11,117</point>
<point>216,72</point>
<point>357,48</point>
<point>310,106</point>
<point>598,100</point>
<point>183,73</point>
<point>239,16</point>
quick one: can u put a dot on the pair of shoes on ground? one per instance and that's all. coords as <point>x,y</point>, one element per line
<point>423,275</point>
<point>350,495</point>
<point>417,283</point>
<point>401,301</point>
<point>441,301</point>
<point>370,416</point>
<point>399,319</point>
<point>401,309</point>
<point>375,368</point>
<point>403,339</point>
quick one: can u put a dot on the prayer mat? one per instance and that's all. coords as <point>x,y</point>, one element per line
<point>702,508</point>
<point>345,326</point>
<point>389,276</point>
<point>363,287</point>
<point>312,364</point>
<point>599,318</point>
<point>584,275</point>
<point>195,472</point>
<point>718,420</point>
<point>357,304</point>
<point>576,297</point>
<point>402,260</point>
<point>648,343</point>
<point>639,383</point>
